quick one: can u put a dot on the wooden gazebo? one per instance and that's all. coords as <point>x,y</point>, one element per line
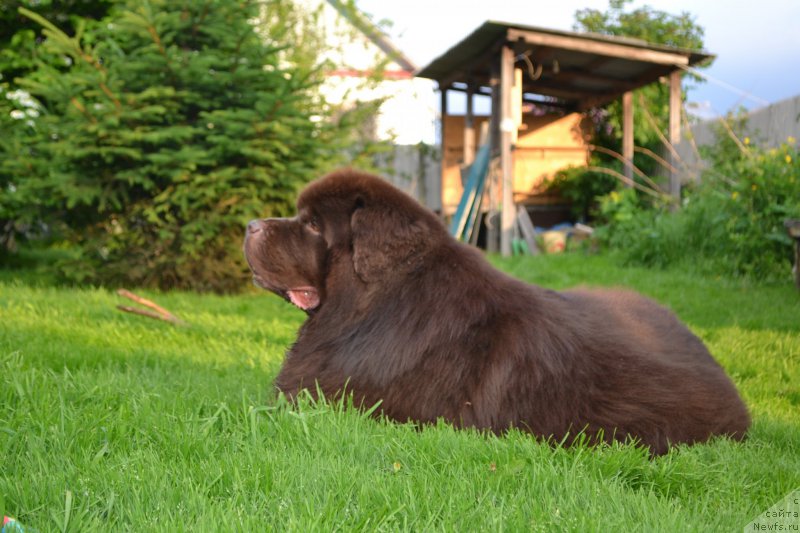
<point>555,70</point>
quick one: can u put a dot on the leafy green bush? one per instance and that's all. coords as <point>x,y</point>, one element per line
<point>651,103</point>
<point>582,188</point>
<point>732,223</point>
<point>160,131</point>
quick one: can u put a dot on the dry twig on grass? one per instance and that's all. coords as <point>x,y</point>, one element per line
<point>158,312</point>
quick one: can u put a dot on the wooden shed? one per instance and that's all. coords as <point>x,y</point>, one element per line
<point>541,83</point>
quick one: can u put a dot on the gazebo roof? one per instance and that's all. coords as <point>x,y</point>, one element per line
<point>566,69</point>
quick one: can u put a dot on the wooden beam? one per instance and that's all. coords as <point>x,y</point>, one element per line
<point>487,91</point>
<point>475,65</point>
<point>674,132</point>
<point>647,78</point>
<point>494,129</point>
<point>555,89</point>
<point>442,122</point>
<point>597,62</point>
<point>469,128</point>
<point>527,229</point>
<point>493,220</point>
<point>588,46</point>
<point>454,77</point>
<point>516,103</point>
<point>627,134</point>
<point>544,65</point>
<point>572,75</point>
<point>507,126</point>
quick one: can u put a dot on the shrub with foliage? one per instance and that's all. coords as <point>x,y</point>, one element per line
<point>160,130</point>
<point>653,26</point>
<point>19,38</point>
<point>731,223</point>
<point>583,186</point>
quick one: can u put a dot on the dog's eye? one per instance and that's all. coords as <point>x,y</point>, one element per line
<point>313,225</point>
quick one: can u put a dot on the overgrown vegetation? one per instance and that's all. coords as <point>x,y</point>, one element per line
<point>112,422</point>
<point>731,223</point>
<point>583,186</point>
<point>142,143</point>
<point>651,103</point>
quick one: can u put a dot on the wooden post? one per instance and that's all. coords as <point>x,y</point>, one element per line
<point>627,135</point>
<point>793,229</point>
<point>506,162</point>
<point>516,104</point>
<point>423,175</point>
<point>443,155</point>
<point>494,82</point>
<point>674,132</point>
<point>469,129</point>
<point>493,225</point>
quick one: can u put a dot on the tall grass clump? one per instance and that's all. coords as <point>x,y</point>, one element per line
<point>731,223</point>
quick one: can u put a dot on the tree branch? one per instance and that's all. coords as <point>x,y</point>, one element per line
<point>158,312</point>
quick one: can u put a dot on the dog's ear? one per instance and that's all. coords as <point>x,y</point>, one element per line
<point>385,239</point>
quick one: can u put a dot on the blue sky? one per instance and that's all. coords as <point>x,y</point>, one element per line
<point>757,43</point>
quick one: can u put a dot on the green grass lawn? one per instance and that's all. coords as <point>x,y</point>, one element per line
<point>112,422</point>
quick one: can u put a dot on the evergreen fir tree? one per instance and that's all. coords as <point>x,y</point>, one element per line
<point>162,131</point>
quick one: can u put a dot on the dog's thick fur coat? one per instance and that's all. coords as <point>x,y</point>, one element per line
<point>399,312</point>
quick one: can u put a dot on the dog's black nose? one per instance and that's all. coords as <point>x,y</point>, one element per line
<point>254,226</point>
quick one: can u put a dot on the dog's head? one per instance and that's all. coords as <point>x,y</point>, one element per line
<point>352,223</point>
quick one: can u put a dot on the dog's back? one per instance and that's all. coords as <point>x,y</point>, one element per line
<point>645,374</point>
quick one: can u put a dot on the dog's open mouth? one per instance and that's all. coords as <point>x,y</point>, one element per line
<point>305,298</point>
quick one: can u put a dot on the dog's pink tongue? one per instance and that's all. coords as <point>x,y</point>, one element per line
<point>305,297</point>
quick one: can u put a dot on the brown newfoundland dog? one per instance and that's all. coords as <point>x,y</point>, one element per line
<point>401,313</point>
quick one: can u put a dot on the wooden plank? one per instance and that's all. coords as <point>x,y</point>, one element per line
<point>793,229</point>
<point>527,229</point>
<point>474,214</point>
<point>547,148</point>
<point>796,268</point>
<point>525,96</point>
<point>792,226</point>
<point>650,76</point>
<point>580,76</point>
<point>442,122</point>
<point>493,226</point>
<point>627,134</point>
<point>622,51</point>
<point>506,162</point>
<point>674,132</point>
<point>516,103</point>
<point>469,206</point>
<point>475,230</point>
<point>489,55</point>
<point>469,128</point>
<point>557,89</point>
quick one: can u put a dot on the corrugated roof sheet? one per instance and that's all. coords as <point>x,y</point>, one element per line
<point>578,70</point>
